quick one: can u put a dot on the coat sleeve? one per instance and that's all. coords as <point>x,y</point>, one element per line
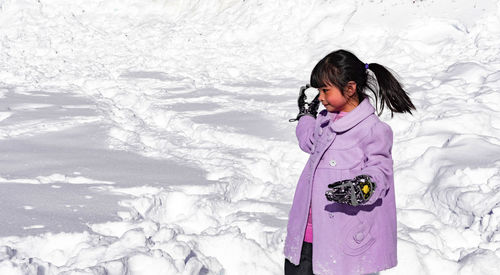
<point>378,160</point>
<point>305,133</point>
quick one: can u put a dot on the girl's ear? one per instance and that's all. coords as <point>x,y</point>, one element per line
<point>350,88</point>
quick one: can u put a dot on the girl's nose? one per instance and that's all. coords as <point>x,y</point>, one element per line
<point>321,96</point>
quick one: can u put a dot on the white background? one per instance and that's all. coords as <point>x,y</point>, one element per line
<point>152,137</point>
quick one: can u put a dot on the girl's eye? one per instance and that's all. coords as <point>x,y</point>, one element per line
<point>324,90</point>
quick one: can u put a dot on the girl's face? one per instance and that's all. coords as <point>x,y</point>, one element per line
<point>332,99</point>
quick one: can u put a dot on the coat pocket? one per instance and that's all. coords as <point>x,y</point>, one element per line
<point>357,237</point>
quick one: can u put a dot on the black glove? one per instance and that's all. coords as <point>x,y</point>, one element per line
<point>353,192</point>
<point>306,105</point>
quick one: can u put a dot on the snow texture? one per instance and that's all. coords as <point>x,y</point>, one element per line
<point>152,137</point>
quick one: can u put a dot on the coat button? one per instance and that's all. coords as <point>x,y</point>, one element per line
<point>359,237</point>
<point>332,162</point>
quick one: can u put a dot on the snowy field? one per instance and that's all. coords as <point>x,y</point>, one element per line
<point>152,137</point>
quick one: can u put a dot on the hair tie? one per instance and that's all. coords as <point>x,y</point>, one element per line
<point>366,66</point>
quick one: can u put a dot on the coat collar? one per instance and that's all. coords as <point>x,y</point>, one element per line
<point>351,119</point>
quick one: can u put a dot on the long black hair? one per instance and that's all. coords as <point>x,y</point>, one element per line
<point>341,66</point>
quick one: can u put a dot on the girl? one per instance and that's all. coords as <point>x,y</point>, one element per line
<point>351,230</point>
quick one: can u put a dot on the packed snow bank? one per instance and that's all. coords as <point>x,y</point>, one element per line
<point>212,85</point>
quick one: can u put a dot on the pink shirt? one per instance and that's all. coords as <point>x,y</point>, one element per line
<point>308,236</point>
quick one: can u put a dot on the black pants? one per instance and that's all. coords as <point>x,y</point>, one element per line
<point>305,265</point>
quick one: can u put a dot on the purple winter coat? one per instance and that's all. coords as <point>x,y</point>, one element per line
<point>346,239</point>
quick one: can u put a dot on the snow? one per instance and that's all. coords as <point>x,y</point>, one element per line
<point>152,137</point>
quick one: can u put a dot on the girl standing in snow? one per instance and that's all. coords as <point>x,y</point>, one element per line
<point>343,217</point>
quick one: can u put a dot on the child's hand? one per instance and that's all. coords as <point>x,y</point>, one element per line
<point>353,192</point>
<point>308,102</point>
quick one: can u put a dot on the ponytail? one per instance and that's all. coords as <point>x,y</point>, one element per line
<point>341,66</point>
<point>390,93</point>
